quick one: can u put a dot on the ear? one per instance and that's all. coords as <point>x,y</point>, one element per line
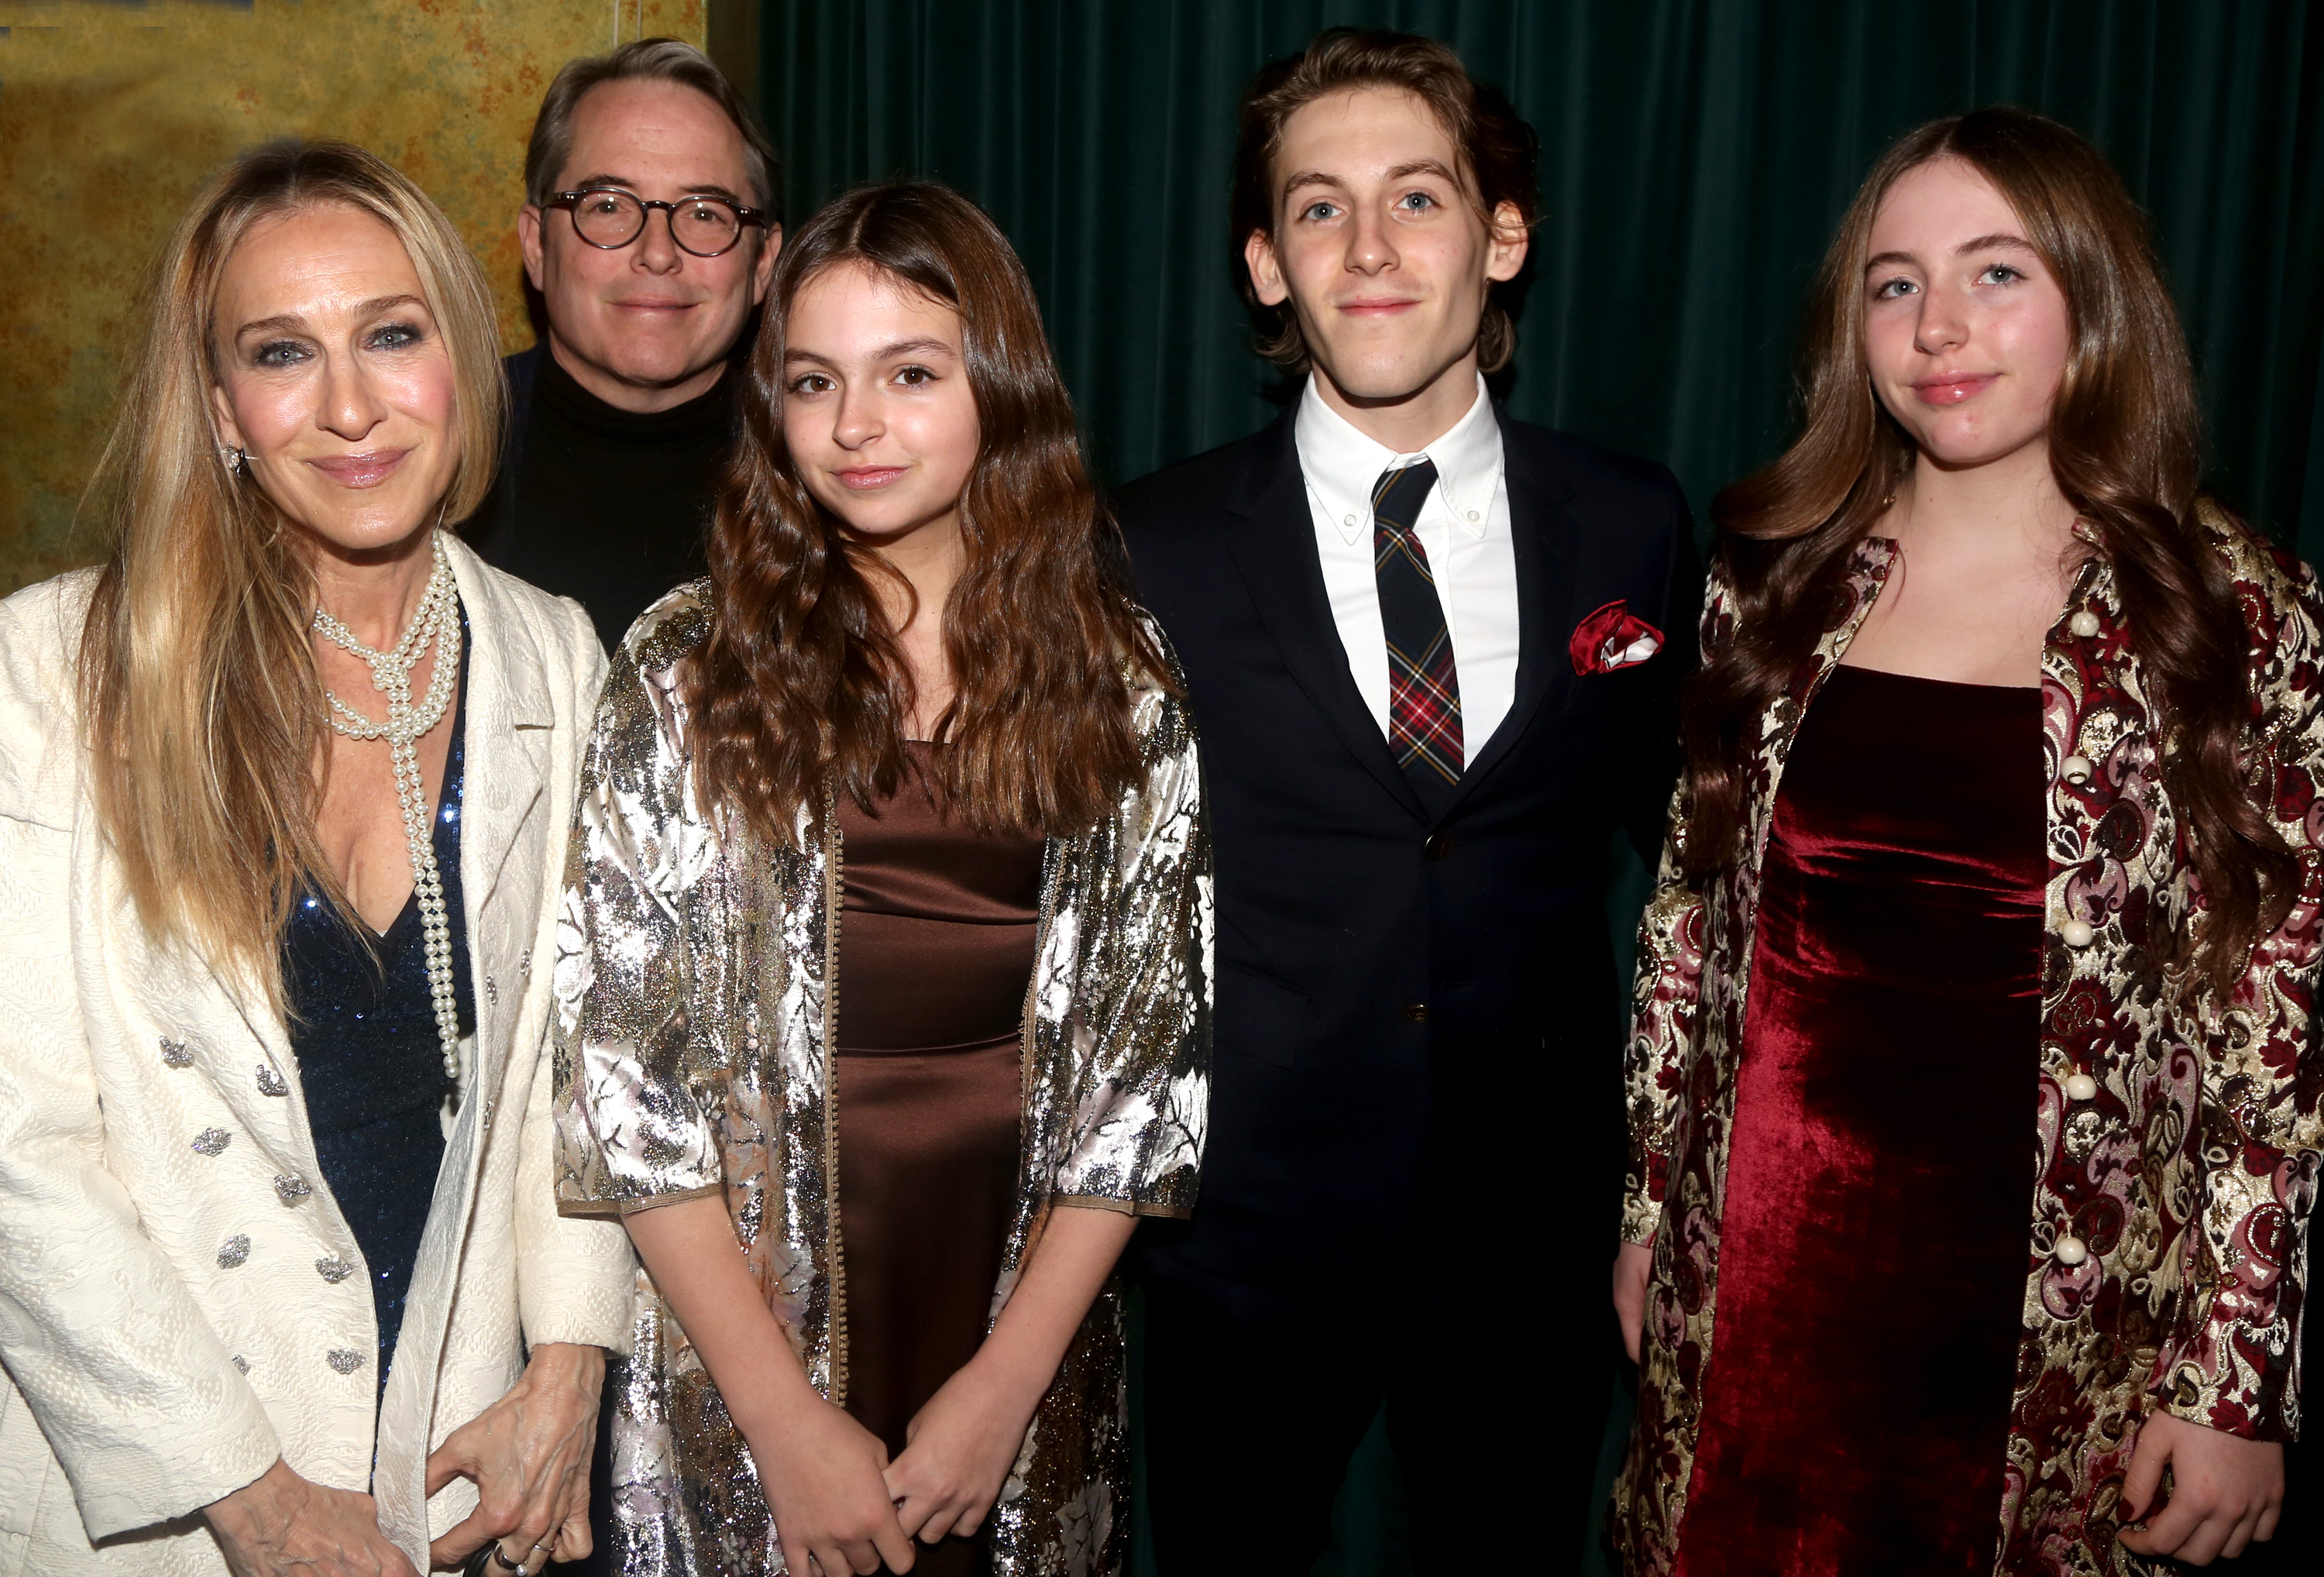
<point>528,237</point>
<point>229,432</point>
<point>1265,270</point>
<point>1508,244</point>
<point>764,269</point>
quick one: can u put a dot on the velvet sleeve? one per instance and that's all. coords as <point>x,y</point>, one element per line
<point>2229,1364</point>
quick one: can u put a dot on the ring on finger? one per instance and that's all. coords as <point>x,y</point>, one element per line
<point>500,1560</point>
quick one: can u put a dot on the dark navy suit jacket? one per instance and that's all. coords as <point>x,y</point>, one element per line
<point>1418,1031</point>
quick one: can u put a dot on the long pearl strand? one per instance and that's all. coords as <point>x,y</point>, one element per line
<point>437,623</point>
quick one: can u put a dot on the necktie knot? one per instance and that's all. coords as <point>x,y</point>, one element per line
<point>1401,493</point>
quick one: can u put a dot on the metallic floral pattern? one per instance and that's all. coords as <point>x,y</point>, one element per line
<point>695,994</point>
<point>2183,1181</point>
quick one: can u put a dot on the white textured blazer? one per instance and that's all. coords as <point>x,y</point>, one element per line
<point>176,1308</point>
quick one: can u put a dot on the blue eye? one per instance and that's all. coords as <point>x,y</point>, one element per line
<point>2007,275</point>
<point>396,336</point>
<point>1893,289</point>
<point>277,354</point>
<point>1318,211</point>
<point>1418,201</point>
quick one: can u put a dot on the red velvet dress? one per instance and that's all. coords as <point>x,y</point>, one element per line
<point>1871,1281</point>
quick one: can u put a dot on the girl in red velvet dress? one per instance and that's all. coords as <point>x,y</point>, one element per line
<point>1970,1151</point>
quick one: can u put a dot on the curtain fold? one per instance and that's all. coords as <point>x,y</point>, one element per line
<point>1695,155</point>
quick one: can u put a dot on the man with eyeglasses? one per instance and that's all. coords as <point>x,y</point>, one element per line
<point>649,229</point>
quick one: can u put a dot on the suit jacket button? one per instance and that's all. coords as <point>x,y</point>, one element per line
<point>1438,846</point>
<point>1417,1013</point>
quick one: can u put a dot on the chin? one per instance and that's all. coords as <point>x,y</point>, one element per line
<point>1386,377</point>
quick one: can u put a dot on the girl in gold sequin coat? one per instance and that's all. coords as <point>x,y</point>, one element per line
<point>904,627</point>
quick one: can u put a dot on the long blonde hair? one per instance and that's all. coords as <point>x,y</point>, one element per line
<point>202,707</point>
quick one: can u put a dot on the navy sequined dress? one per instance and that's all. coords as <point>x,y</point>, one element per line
<point>370,1062</point>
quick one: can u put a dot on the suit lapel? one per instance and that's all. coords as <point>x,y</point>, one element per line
<point>1276,555</point>
<point>1544,538</point>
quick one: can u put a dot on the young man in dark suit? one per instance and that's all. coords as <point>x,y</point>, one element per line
<point>1432,655</point>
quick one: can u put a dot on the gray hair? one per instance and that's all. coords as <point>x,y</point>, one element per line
<point>648,60</point>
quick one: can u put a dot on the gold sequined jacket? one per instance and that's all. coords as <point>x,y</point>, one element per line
<point>696,1005</point>
<point>2177,1146</point>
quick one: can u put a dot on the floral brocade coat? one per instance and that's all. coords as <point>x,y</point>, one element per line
<point>2165,1243</point>
<point>697,998</point>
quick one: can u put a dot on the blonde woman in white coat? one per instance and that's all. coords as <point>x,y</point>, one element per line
<point>193,1319</point>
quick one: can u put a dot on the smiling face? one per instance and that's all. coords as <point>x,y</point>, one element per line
<point>878,413</point>
<point>648,326</point>
<point>1966,329</point>
<point>1379,249</point>
<point>333,380</point>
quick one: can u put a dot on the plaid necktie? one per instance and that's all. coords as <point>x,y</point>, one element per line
<point>1424,693</point>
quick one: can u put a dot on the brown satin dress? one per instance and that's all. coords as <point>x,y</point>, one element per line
<point>935,951</point>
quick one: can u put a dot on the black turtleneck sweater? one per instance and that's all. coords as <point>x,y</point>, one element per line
<point>609,507</point>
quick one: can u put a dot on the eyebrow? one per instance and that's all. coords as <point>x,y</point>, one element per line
<point>886,352</point>
<point>371,308</point>
<point>1982,243</point>
<point>701,189</point>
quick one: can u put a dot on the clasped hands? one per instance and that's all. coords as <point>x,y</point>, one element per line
<point>528,1454</point>
<point>841,1506</point>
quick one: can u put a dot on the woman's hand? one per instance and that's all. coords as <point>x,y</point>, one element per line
<point>283,1525</point>
<point>823,1473</point>
<point>1634,1263</point>
<point>958,1451</point>
<point>528,1454</point>
<point>2226,1491</point>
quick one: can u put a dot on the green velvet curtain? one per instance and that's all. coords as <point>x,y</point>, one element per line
<point>1694,156</point>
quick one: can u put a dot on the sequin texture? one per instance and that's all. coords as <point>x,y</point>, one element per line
<point>693,1015</point>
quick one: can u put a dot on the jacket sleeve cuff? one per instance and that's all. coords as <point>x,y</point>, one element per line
<point>130,1484</point>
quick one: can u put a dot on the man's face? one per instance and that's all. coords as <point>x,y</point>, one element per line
<point>648,326</point>
<point>1378,246</point>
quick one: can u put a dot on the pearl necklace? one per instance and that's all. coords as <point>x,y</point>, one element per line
<point>435,623</point>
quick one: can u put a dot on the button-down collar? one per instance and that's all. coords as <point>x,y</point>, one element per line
<point>1342,463</point>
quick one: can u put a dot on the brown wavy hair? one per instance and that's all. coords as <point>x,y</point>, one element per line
<point>202,710</point>
<point>801,687</point>
<point>2125,448</point>
<point>1498,151</point>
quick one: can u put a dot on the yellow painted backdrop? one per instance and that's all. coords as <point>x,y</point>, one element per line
<point>111,116</point>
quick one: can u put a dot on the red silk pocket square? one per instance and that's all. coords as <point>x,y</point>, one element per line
<point>1612,638</point>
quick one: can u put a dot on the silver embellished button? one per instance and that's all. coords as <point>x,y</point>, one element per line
<point>233,1252</point>
<point>242,1363</point>
<point>271,1082</point>
<point>2084,623</point>
<point>524,966</point>
<point>2077,934</point>
<point>176,1054</point>
<point>2076,768</point>
<point>212,1141</point>
<point>333,1270</point>
<point>290,1190</point>
<point>2081,1087</point>
<point>345,1359</point>
<point>2071,1251</point>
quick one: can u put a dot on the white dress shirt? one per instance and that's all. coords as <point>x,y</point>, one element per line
<point>1464,530</point>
